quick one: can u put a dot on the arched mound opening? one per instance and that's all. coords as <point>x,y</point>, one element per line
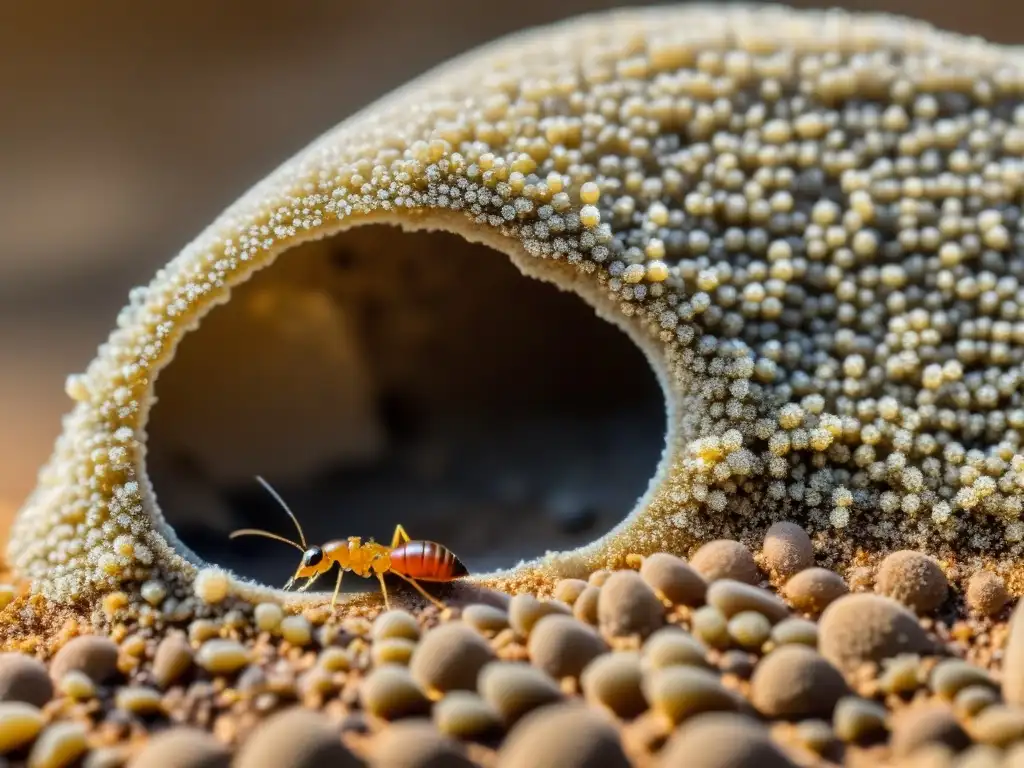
<point>381,377</point>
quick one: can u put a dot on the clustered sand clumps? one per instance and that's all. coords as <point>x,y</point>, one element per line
<point>810,221</point>
<point>708,662</point>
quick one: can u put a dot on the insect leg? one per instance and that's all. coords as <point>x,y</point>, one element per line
<point>420,589</point>
<point>400,536</point>
<point>309,583</point>
<point>337,587</point>
<point>293,578</point>
<point>384,589</point>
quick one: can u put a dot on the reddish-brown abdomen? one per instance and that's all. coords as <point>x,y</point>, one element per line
<point>426,561</point>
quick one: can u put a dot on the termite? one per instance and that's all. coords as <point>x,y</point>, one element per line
<point>408,559</point>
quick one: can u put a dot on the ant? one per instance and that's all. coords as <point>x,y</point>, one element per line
<point>406,558</point>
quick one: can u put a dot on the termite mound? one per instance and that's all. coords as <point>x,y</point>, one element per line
<point>808,222</point>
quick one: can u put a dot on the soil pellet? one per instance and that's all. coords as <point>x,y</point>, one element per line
<point>524,611</point>
<point>95,656</point>
<point>20,723</point>
<point>173,658</point>
<point>395,623</point>
<point>614,681</point>
<point>732,597</point>
<point>563,736</point>
<point>725,559</point>
<point>514,689</point>
<point>673,580</point>
<point>627,606</point>
<point>563,646</point>
<point>222,657</point>
<point>24,678</point>
<point>449,657</point>
<point>390,692</point>
<point>59,745</point>
<point>295,738</point>
<point>182,747</point>
<point>465,715</point>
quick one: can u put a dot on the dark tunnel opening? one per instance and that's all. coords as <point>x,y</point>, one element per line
<point>383,377</point>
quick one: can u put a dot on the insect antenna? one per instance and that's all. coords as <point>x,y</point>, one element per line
<point>268,534</point>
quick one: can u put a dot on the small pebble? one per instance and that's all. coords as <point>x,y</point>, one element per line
<point>599,577</point>
<point>682,692</point>
<point>585,607</point>
<point>794,681</point>
<point>563,736</point>
<point>94,655</point>
<point>986,593</point>
<point>61,744</point>
<point>449,658</point>
<point>901,675</point>
<point>173,658</point>
<point>673,579</point>
<point>268,616</point>
<point>569,590</point>
<point>514,689</point>
<point>465,715</point>
<point>334,660</point>
<point>710,625</point>
<point>139,700</point>
<point>296,630</point>
<point>24,678</point>
<point>1013,658</point>
<point>153,592</point>
<point>722,740</point>
<point>732,597</point>
<point>614,681</point>
<point>563,646</point>
<point>928,724</point>
<point>855,719</point>
<point>295,738</point>
<point>814,589</point>
<point>211,585</point>
<point>182,747</point>
<point>725,559</point>
<point>627,606</point>
<point>865,627</point>
<point>222,657</point>
<point>201,630</point>
<point>77,685</point>
<point>737,662</point>
<point>794,631</point>
<point>390,692</point>
<point>393,650</point>
<point>524,611</point>
<point>749,629</point>
<point>950,676</point>
<point>973,699</point>
<point>980,756</point>
<point>816,735</point>
<point>998,725</point>
<point>395,623</point>
<point>20,723</point>
<point>671,646</point>
<point>485,619</point>
<point>787,550</point>
<point>913,579</point>
<point>417,744</point>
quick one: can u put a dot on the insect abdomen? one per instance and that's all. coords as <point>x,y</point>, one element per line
<point>426,561</point>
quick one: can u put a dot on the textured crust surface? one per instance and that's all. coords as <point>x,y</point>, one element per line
<point>810,222</point>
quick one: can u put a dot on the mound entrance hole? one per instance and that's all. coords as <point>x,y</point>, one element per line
<point>382,377</point>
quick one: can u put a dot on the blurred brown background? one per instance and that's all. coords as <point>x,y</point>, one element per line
<point>128,127</point>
